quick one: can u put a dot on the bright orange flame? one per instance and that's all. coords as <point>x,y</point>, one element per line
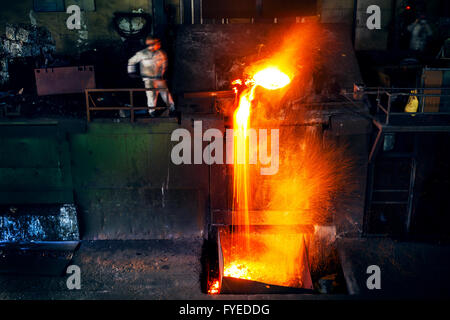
<point>242,114</point>
<point>271,78</point>
<point>235,270</point>
<point>214,288</point>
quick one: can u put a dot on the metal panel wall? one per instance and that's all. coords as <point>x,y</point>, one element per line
<point>34,165</point>
<point>64,80</point>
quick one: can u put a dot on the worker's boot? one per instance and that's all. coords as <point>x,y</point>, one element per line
<point>173,112</point>
<point>165,113</point>
<point>122,114</point>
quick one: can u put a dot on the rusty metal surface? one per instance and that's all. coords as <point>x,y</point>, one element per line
<point>64,80</point>
<point>432,78</point>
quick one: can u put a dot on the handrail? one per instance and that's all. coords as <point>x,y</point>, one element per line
<point>130,108</point>
<point>419,92</point>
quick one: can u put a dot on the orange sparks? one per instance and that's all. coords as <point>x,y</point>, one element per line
<point>214,287</point>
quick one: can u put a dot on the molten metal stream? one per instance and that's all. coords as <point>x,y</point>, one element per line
<point>241,173</point>
<point>270,78</point>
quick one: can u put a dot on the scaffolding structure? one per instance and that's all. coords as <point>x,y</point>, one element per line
<point>389,122</point>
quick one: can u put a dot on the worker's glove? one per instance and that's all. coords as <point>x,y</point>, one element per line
<point>132,71</point>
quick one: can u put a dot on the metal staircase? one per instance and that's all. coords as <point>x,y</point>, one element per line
<point>392,167</point>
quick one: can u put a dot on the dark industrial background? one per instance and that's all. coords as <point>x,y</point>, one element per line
<point>141,221</point>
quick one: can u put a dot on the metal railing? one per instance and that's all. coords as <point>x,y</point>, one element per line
<point>390,93</point>
<point>130,107</point>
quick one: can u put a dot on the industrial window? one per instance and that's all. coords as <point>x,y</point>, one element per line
<point>48,5</point>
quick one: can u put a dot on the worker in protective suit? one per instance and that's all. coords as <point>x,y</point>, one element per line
<point>420,32</point>
<point>152,66</point>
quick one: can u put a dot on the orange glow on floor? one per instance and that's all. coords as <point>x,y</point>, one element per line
<point>214,288</point>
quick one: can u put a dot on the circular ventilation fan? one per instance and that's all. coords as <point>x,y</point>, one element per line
<point>132,25</point>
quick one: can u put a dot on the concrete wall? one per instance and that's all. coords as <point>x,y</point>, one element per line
<point>376,39</point>
<point>34,163</point>
<point>97,25</point>
<point>336,11</point>
<point>343,11</point>
<point>128,188</point>
<point>120,175</point>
